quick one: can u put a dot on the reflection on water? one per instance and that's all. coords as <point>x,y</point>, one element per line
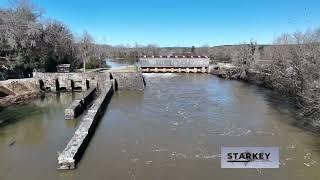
<point>172,130</point>
<point>113,63</point>
<point>32,134</point>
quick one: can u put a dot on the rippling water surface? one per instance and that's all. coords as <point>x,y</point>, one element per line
<point>172,130</point>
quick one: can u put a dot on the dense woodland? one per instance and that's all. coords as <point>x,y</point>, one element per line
<point>29,41</point>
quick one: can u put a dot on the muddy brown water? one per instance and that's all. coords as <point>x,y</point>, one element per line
<point>172,130</point>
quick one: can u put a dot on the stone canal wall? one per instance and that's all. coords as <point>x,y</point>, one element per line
<point>129,81</point>
<point>75,148</point>
<point>71,81</point>
<point>79,105</point>
<point>16,91</point>
<point>66,81</point>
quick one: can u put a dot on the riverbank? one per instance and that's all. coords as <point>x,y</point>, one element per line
<point>230,71</point>
<point>17,91</point>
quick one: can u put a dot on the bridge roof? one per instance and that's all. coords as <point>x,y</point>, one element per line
<point>167,61</point>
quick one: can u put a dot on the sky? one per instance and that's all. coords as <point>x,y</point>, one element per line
<point>183,22</point>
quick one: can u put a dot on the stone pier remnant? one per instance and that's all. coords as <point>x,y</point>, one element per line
<point>106,84</point>
<point>75,148</point>
<point>79,105</point>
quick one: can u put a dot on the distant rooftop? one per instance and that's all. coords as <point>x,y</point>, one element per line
<point>63,65</point>
<point>174,61</point>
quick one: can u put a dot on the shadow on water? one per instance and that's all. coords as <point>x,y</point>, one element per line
<point>15,113</point>
<point>73,123</point>
<point>285,105</point>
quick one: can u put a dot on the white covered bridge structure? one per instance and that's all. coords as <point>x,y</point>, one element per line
<point>178,64</point>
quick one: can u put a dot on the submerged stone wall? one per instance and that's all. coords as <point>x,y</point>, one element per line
<point>79,105</point>
<point>75,148</point>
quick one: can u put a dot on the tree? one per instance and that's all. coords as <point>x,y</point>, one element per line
<point>246,56</point>
<point>57,45</point>
<point>85,46</point>
<point>20,30</point>
<point>203,50</point>
<point>193,50</point>
<point>295,69</point>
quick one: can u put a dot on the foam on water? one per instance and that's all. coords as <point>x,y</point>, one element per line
<point>161,75</point>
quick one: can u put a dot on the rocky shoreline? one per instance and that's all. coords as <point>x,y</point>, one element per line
<point>19,98</point>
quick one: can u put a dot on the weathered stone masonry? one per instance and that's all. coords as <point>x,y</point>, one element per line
<point>78,143</point>
<point>107,83</point>
<point>79,105</point>
<point>104,83</point>
<point>71,81</point>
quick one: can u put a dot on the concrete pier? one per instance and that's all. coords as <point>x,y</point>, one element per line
<point>79,105</point>
<point>75,148</point>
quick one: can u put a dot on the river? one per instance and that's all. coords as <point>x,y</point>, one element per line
<point>172,130</point>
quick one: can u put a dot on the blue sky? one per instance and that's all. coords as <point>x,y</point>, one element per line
<point>183,22</point>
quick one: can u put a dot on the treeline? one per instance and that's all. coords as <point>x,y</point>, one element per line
<point>225,53</point>
<point>132,53</point>
<point>28,41</point>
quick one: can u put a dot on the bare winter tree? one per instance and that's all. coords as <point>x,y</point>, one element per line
<point>20,31</point>
<point>28,41</point>
<point>86,47</point>
<point>57,44</point>
<point>246,56</point>
<point>203,50</point>
<point>295,68</point>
